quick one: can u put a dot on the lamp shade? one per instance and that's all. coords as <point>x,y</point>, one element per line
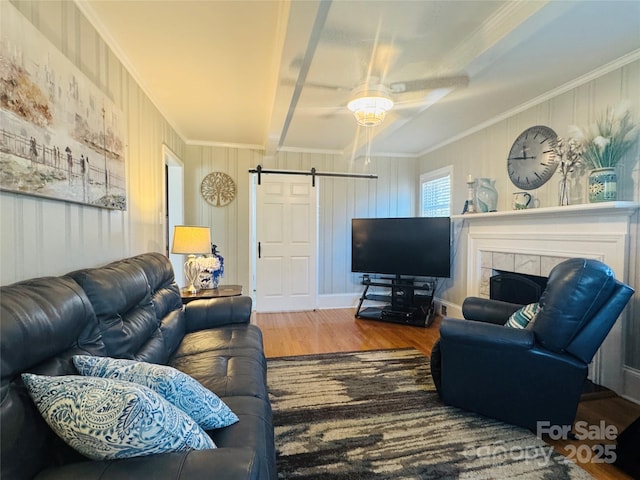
<point>191,239</point>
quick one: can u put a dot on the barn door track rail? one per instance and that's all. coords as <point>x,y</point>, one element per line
<point>260,171</point>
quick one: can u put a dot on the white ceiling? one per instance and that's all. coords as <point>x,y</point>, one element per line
<point>258,73</point>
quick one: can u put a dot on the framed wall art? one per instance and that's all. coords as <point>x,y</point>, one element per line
<point>61,137</point>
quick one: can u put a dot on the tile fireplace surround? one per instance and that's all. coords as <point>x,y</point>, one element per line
<point>534,241</point>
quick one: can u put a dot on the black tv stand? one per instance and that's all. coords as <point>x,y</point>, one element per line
<point>403,305</point>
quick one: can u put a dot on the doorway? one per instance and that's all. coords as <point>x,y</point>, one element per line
<point>285,219</point>
<point>174,206</point>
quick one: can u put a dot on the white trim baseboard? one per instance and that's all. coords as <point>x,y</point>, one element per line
<point>631,384</point>
<point>337,300</point>
<point>453,309</point>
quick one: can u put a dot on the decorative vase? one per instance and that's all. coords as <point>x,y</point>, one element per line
<point>211,268</point>
<point>563,192</point>
<point>219,273</point>
<point>486,195</point>
<point>216,275</point>
<point>603,185</point>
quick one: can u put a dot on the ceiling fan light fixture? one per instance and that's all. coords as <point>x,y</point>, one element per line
<point>371,110</point>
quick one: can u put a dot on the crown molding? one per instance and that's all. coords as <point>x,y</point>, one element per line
<point>318,151</point>
<point>239,146</point>
<point>394,155</point>
<point>342,154</point>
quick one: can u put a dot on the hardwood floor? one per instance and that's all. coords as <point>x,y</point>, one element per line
<point>328,331</point>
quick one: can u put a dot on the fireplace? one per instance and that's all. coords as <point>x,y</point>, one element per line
<point>532,242</point>
<point>521,267</point>
<point>516,287</point>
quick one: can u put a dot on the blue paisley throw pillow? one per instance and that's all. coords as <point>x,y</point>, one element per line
<point>106,419</point>
<point>183,391</point>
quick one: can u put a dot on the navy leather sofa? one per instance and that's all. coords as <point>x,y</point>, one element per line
<point>131,309</point>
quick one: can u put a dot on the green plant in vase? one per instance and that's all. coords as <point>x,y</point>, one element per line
<point>604,144</point>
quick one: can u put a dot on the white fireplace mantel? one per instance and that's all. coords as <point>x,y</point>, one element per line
<point>585,209</point>
<point>526,240</point>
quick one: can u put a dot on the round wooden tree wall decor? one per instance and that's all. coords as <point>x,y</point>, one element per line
<point>218,189</point>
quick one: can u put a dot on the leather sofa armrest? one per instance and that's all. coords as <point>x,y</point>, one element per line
<point>220,463</point>
<point>485,335</point>
<point>489,311</point>
<point>216,312</point>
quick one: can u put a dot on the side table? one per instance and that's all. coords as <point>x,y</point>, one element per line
<point>221,291</point>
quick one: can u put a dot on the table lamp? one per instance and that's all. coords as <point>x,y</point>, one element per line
<point>191,240</point>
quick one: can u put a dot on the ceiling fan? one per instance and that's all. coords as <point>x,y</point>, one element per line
<point>369,101</point>
<point>377,53</point>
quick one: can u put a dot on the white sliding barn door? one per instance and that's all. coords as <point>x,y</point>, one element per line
<point>286,232</point>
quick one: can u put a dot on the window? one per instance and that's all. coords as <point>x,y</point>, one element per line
<point>435,193</point>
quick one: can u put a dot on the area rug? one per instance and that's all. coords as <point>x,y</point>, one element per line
<point>376,415</point>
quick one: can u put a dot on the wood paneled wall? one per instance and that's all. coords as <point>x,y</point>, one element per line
<point>581,106</point>
<point>44,237</point>
<point>340,200</point>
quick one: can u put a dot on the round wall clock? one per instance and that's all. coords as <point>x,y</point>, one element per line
<point>218,189</point>
<point>532,159</point>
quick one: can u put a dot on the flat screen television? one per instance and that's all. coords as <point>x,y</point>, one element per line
<point>418,246</point>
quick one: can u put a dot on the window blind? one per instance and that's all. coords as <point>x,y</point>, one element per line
<point>436,195</point>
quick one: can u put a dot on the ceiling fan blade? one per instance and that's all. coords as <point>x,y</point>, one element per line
<point>429,83</point>
<point>408,104</point>
<point>340,88</point>
<point>326,86</point>
<point>323,112</point>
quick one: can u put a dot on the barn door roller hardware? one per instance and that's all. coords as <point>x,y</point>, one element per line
<point>260,171</point>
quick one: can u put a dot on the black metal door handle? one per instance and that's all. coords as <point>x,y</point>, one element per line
<point>259,250</point>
